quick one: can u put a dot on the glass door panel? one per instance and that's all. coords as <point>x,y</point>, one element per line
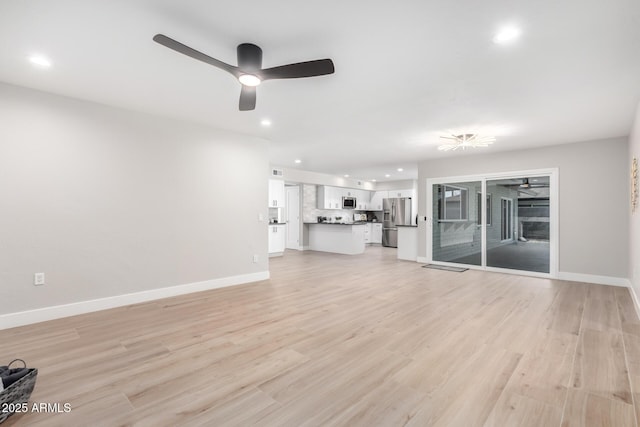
<point>518,228</point>
<point>456,230</point>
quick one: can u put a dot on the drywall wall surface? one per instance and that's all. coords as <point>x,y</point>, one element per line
<point>108,202</point>
<point>593,193</point>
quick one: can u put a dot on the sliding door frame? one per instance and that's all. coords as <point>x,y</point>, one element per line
<point>554,234</point>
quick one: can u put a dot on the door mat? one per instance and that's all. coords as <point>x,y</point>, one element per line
<point>445,268</point>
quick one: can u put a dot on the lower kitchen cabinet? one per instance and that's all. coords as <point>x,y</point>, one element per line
<point>376,233</point>
<point>276,240</point>
<point>373,233</point>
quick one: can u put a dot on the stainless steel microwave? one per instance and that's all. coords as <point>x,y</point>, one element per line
<point>348,203</point>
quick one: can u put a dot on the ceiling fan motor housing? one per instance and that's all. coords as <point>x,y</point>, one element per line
<point>249,57</point>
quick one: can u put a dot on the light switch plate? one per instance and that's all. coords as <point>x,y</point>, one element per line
<point>38,279</point>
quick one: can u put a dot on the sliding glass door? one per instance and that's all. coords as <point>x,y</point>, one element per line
<point>456,231</point>
<point>520,238</point>
<point>503,222</point>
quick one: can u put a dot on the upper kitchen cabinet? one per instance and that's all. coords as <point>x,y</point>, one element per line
<point>363,199</point>
<point>400,193</point>
<point>348,192</point>
<point>276,193</point>
<point>376,200</point>
<point>329,197</point>
<point>375,204</point>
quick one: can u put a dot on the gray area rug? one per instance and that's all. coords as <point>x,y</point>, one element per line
<point>445,268</point>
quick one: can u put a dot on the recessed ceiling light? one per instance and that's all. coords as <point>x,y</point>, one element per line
<point>346,175</point>
<point>400,169</point>
<point>506,35</point>
<point>249,80</point>
<point>40,61</point>
<point>387,175</point>
<point>298,161</point>
<point>373,180</point>
<point>265,122</point>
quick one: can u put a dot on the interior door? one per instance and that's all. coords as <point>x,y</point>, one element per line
<point>293,217</point>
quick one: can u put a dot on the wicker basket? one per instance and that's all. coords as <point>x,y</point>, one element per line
<point>18,392</point>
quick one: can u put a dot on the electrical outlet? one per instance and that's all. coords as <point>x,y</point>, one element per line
<point>255,258</point>
<point>38,279</point>
<point>260,217</point>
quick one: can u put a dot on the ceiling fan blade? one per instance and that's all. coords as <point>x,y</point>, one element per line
<point>319,67</point>
<point>247,98</point>
<point>186,50</point>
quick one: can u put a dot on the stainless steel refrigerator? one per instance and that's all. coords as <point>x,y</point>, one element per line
<point>395,212</point>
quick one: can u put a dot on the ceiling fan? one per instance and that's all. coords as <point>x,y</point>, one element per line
<point>249,71</point>
<point>526,184</point>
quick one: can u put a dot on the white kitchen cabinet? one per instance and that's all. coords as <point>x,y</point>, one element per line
<point>373,233</point>
<point>375,236</point>
<point>362,197</point>
<point>276,193</point>
<point>375,204</point>
<point>401,193</point>
<point>276,240</point>
<point>328,197</point>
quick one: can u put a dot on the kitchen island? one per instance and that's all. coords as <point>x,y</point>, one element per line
<point>338,238</point>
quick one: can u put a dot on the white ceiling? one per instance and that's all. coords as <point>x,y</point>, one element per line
<point>406,72</point>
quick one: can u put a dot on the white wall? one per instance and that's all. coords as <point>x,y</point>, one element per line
<point>593,191</point>
<point>634,221</point>
<point>108,202</point>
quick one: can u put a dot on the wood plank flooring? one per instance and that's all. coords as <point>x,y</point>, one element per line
<point>336,340</point>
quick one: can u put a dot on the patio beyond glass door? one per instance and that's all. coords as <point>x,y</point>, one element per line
<point>501,223</point>
<point>519,236</point>
<point>456,229</point>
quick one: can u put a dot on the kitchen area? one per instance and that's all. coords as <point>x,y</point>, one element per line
<point>343,220</point>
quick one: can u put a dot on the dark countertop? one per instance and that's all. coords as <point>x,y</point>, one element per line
<point>406,225</point>
<point>277,223</point>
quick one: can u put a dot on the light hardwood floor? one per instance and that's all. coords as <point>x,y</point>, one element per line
<point>336,340</point>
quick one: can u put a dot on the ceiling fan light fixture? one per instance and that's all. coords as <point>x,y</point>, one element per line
<point>506,35</point>
<point>466,140</point>
<point>249,80</point>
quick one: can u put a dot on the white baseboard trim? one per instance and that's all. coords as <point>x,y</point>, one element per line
<point>592,278</point>
<point>11,320</point>
<point>422,259</point>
